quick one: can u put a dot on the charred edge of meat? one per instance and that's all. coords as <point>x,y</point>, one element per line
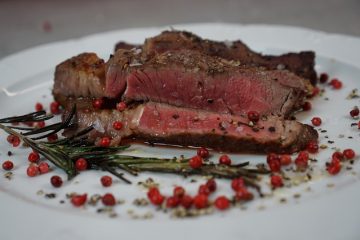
<point>301,63</point>
<point>125,46</point>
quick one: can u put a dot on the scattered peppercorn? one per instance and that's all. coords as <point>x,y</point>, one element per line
<point>354,112</point>
<point>302,161</point>
<point>211,185</point>
<point>222,203</point>
<point>316,121</point>
<point>121,106</point>
<point>8,165</point>
<point>196,162</point>
<point>78,200</point>
<point>203,152</point>
<point>39,107</point>
<point>98,103</point>
<point>237,183</point>
<point>274,162</point>
<point>56,181</point>
<point>276,181</point>
<point>253,116</point>
<point>304,155</point>
<point>338,155</point>
<point>242,194</point>
<point>349,154</point>
<point>33,157</point>
<point>203,189</point>
<point>106,181</point>
<point>324,77</point>
<point>336,83</point>
<point>117,125</point>
<point>52,137</point>
<point>32,171</point>
<point>108,199</point>
<point>105,142</point>
<point>40,124</point>
<point>43,168</point>
<point>55,107</point>
<point>155,197</point>
<point>334,167</point>
<point>179,192</point>
<point>172,202</point>
<point>200,201</point>
<point>312,147</point>
<point>81,164</point>
<point>285,159</point>
<point>306,106</point>
<point>13,140</point>
<point>152,191</point>
<point>224,159</point>
<point>315,92</point>
<point>186,201</point>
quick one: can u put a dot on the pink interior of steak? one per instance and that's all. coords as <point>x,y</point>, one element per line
<point>163,123</point>
<point>164,120</point>
<point>236,94</point>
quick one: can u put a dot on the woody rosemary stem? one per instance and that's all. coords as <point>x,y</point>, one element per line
<point>58,158</point>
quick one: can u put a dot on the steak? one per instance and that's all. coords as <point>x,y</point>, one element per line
<point>183,90</point>
<point>162,123</point>
<point>83,75</point>
<point>302,63</point>
<point>183,78</point>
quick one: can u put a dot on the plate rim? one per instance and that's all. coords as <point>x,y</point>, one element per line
<point>133,225</point>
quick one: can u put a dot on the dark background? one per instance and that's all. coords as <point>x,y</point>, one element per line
<point>24,24</point>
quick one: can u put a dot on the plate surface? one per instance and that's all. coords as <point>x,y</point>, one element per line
<point>328,206</point>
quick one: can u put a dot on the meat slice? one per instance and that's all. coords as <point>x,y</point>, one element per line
<point>185,78</point>
<point>161,123</point>
<point>182,78</point>
<point>302,63</point>
<point>82,75</point>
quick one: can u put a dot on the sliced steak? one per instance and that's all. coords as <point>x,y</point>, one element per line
<point>183,78</point>
<point>191,79</point>
<point>301,63</point>
<point>161,123</point>
<point>83,75</point>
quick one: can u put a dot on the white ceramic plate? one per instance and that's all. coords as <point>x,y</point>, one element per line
<point>322,213</point>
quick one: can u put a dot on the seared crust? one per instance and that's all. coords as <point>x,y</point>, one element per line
<point>301,63</point>
<point>125,46</point>
<point>82,75</point>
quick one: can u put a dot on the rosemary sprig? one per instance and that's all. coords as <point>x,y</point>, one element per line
<point>64,152</point>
